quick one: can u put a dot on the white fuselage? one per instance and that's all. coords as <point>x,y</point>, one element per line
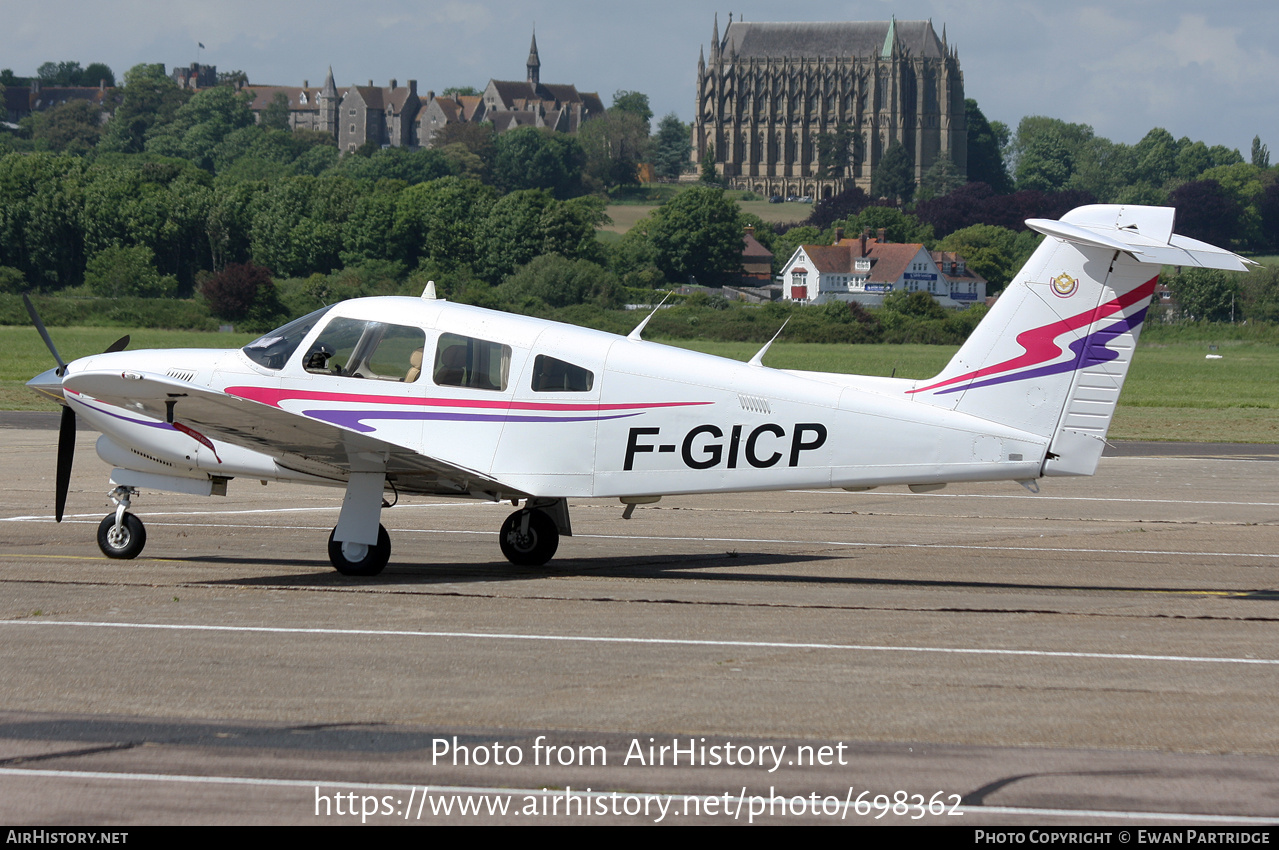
<point>655,420</point>
<point>416,395</point>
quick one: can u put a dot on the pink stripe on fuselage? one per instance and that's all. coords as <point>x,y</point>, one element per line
<point>274,396</point>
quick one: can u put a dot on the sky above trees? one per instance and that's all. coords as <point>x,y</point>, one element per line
<point>1203,71</point>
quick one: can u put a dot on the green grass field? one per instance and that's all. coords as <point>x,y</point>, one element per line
<point>25,355</point>
<point>1265,259</point>
<point>624,216</point>
<point>640,201</point>
<point>1173,393</point>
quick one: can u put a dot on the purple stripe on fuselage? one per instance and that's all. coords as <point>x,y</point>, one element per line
<point>150,423</point>
<point>1092,347</point>
<point>353,419</point>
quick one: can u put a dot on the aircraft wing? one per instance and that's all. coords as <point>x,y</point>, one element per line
<point>296,442</point>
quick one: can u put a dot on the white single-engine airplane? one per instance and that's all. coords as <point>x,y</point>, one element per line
<point>418,395</point>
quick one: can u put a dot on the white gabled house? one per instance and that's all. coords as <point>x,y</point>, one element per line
<point>865,270</point>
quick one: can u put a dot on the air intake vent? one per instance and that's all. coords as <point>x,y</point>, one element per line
<point>151,458</point>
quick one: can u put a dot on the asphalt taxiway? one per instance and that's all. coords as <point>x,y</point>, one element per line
<point>1104,651</point>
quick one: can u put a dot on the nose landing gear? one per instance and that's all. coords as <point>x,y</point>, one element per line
<point>121,534</point>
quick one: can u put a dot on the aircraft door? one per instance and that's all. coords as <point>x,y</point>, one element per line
<point>548,440</point>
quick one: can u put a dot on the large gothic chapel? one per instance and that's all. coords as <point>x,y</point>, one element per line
<point>769,93</point>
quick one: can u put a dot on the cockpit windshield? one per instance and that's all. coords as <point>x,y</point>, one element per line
<point>274,349</point>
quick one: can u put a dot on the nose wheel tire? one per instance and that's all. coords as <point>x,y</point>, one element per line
<point>125,542</point>
<point>360,559</point>
<point>530,545</point>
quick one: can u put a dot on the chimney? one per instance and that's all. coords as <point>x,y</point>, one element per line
<point>883,236</point>
<point>306,84</point>
<point>750,230</point>
<point>412,86</point>
<point>863,243</point>
<point>393,82</point>
<point>370,84</point>
<point>839,234</point>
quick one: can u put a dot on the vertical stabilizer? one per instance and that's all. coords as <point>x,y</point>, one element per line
<point>1051,356</point>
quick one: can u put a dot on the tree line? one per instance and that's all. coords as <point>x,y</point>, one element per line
<point>179,186</point>
<point>183,193</point>
<point>1046,168</point>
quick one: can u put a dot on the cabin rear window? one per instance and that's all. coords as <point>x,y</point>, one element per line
<point>477,364</point>
<point>358,348</point>
<point>556,376</point>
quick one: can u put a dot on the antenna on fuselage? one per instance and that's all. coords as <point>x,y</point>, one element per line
<point>639,329</point>
<point>758,359</point>
<point>428,294</point>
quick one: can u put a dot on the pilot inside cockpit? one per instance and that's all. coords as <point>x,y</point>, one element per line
<point>317,359</point>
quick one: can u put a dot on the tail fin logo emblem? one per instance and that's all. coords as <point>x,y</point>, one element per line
<point>1064,285</point>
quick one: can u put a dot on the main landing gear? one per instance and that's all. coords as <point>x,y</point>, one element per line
<point>121,534</point>
<point>360,559</point>
<point>360,546</point>
<point>529,538</point>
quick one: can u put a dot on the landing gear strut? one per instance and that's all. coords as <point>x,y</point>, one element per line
<point>121,534</point>
<point>529,538</point>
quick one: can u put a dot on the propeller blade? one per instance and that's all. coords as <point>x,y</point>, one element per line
<point>44,334</point>
<point>66,453</point>
<point>119,345</point>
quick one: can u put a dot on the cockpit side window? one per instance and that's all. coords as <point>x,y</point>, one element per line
<point>359,348</point>
<point>462,361</point>
<point>273,350</point>
<point>556,376</point>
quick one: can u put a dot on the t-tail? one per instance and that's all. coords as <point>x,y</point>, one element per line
<point>1051,356</point>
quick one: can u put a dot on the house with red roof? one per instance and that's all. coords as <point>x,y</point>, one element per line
<point>866,269</point>
<point>757,261</point>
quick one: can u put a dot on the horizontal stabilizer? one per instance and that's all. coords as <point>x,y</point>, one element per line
<point>1144,232</point>
<point>1079,235</point>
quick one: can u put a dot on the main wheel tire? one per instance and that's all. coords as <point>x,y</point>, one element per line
<point>370,564</point>
<point>124,543</point>
<point>534,547</point>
